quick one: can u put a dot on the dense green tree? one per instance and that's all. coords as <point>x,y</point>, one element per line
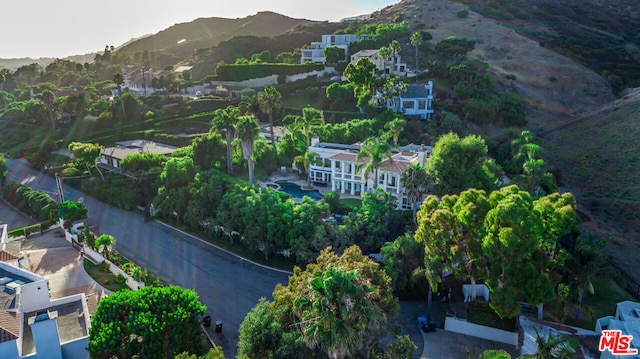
<point>213,353</point>
<point>173,192</point>
<point>151,322</point>
<point>334,54</point>
<point>403,259</point>
<point>270,100</point>
<point>247,130</point>
<point>224,120</point>
<point>307,235</point>
<point>47,97</point>
<point>458,164</point>
<point>4,169</point>
<point>72,211</point>
<point>360,281</point>
<point>267,218</point>
<point>415,182</point>
<point>341,96</point>
<point>362,77</point>
<point>209,151</point>
<point>553,347</point>
<point>143,162</point>
<point>402,348</point>
<point>455,46</point>
<point>87,153</point>
<point>105,242</point>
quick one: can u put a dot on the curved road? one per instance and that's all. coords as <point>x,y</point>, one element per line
<point>227,285</point>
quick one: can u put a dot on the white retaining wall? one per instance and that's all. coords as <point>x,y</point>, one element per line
<point>462,326</point>
<point>98,258</point>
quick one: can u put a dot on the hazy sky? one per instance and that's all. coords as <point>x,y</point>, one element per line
<point>59,28</point>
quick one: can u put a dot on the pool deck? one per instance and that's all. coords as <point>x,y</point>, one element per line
<point>295,178</point>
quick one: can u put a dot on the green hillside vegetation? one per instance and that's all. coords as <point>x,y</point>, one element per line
<point>206,59</point>
<point>206,32</point>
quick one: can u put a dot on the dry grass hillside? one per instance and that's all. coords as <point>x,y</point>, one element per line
<point>590,136</point>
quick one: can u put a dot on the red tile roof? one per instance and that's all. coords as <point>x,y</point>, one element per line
<point>9,326</point>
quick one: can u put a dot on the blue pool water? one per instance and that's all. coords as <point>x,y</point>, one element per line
<point>296,192</point>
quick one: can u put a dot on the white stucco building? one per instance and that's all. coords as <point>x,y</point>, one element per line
<point>315,53</point>
<point>339,168</point>
<point>626,320</point>
<point>392,65</point>
<point>416,101</point>
<point>34,326</point>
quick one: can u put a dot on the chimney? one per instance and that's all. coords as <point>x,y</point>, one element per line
<point>422,155</point>
<point>44,328</point>
<point>315,140</point>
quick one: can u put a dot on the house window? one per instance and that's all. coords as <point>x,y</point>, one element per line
<point>333,40</point>
<point>408,104</point>
<point>402,68</point>
<point>422,104</point>
<point>393,181</point>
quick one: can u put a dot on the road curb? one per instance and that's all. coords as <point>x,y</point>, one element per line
<point>225,250</point>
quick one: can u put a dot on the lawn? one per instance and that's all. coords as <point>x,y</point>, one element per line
<point>105,279</point>
<point>351,202</point>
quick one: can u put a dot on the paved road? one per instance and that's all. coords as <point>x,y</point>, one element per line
<point>229,286</point>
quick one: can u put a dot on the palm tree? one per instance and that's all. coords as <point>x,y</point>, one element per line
<point>395,128</point>
<point>247,130</point>
<point>373,151</point>
<point>306,160</point>
<point>310,118</point>
<point>416,40</point>
<point>269,100</point>
<point>335,311</point>
<point>561,347</point>
<point>48,98</point>
<point>414,180</point>
<point>118,79</point>
<point>104,243</point>
<point>394,46</point>
<point>385,54</point>
<point>224,120</point>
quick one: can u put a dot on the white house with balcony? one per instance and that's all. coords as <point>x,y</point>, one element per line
<point>392,65</point>
<point>315,53</point>
<point>626,320</point>
<point>32,325</point>
<point>339,167</point>
<point>416,101</point>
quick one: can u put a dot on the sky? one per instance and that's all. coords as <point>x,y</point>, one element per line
<point>59,28</point>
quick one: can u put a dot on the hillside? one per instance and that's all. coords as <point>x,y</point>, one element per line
<point>589,136</point>
<point>181,40</point>
<point>204,63</point>
<point>599,157</point>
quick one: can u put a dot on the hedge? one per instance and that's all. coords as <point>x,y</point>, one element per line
<point>242,72</point>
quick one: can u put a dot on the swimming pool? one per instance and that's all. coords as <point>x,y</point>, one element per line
<point>296,192</point>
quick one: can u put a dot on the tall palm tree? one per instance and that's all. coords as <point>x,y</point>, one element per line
<point>224,120</point>
<point>416,40</point>
<point>561,347</point>
<point>414,180</point>
<point>48,98</point>
<point>247,130</point>
<point>385,54</point>
<point>373,151</point>
<point>105,242</point>
<point>118,79</point>
<point>269,100</point>
<point>335,311</point>
<point>306,160</point>
<point>395,128</point>
<point>311,117</point>
<point>395,48</point>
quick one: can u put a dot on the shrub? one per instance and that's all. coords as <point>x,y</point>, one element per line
<point>462,14</point>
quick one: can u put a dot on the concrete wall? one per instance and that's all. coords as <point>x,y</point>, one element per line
<point>261,82</point>
<point>461,326</point>
<point>76,349</point>
<point>9,350</point>
<point>481,291</point>
<point>34,296</point>
<point>319,73</point>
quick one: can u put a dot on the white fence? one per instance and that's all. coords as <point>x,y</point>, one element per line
<point>96,257</point>
<point>461,326</point>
